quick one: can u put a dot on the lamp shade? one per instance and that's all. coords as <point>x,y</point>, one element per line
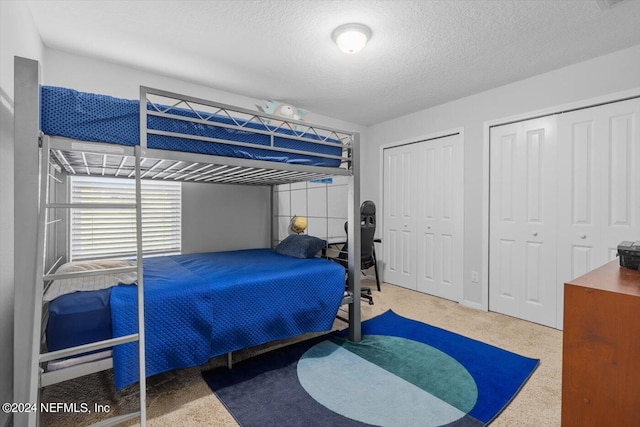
<point>351,38</point>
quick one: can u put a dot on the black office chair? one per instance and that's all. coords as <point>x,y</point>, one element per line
<point>367,249</point>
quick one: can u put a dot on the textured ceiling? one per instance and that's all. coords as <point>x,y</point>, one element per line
<point>421,54</point>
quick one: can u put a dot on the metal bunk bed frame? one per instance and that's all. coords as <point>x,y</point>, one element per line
<point>90,158</point>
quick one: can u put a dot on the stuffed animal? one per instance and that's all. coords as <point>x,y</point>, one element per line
<point>284,110</point>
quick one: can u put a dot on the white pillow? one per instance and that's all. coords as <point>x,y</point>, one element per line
<point>93,283</point>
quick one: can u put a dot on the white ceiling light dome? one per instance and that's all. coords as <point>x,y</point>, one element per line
<point>351,38</point>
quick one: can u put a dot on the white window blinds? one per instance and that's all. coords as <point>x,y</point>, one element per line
<point>106,233</point>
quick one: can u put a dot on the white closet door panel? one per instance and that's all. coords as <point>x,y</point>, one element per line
<point>447,174</point>
<point>579,204</point>
<point>622,184</point>
<point>581,171</point>
<point>504,163</point>
<point>598,187</point>
<point>452,219</point>
<point>541,287</point>
<point>506,251</point>
<point>428,198</point>
<point>428,181</point>
<point>581,260</point>
<point>505,281</point>
<point>399,217</point>
<point>448,269</point>
<point>450,224</point>
<point>439,196</point>
<point>522,265</point>
<point>427,261</point>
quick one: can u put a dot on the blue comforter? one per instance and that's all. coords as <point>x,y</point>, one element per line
<point>203,305</point>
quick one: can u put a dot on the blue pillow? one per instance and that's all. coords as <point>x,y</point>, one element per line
<point>300,246</point>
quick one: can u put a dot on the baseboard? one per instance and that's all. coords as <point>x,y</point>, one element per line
<point>472,304</point>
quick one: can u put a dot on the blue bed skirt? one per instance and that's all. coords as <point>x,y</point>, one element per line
<point>101,118</point>
<point>200,306</point>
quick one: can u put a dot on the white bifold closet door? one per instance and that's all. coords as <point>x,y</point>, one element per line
<point>564,192</point>
<point>522,243</point>
<point>423,216</point>
<point>399,239</point>
<point>599,184</point>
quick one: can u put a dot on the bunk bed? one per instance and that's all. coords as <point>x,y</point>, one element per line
<point>168,136</point>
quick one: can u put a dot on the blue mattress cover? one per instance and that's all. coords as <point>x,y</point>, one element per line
<point>79,318</point>
<point>203,305</point>
<point>102,118</point>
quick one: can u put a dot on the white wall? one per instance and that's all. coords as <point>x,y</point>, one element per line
<point>611,73</point>
<point>93,75</point>
<point>226,217</point>
<point>18,36</point>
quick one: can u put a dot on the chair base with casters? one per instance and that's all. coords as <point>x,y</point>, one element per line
<point>365,293</point>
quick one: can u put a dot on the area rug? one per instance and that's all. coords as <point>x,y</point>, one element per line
<point>402,373</point>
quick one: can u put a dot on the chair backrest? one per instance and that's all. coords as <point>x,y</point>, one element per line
<point>367,232</point>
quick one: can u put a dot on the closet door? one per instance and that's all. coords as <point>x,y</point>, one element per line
<point>399,238</point>
<point>440,223</point>
<point>522,244</point>
<point>598,187</point>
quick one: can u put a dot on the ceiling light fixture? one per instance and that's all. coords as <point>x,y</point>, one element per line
<point>351,38</point>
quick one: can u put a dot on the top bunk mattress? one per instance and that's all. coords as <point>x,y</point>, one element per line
<point>102,118</point>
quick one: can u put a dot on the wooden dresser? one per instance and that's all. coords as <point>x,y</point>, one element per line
<point>601,348</point>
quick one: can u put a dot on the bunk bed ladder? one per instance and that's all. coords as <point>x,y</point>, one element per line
<point>38,358</point>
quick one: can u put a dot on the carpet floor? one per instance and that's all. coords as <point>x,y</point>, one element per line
<point>182,398</point>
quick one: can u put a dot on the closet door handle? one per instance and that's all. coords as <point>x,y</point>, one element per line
<point>583,236</point>
<point>534,234</point>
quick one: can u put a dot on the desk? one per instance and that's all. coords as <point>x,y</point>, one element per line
<point>601,348</point>
<point>333,241</point>
<point>340,241</point>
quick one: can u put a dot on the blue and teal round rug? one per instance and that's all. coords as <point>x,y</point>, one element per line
<point>402,373</point>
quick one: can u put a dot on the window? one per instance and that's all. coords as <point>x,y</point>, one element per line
<point>111,233</point>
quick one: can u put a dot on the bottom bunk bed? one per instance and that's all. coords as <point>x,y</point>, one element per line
<point>199,306</point>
